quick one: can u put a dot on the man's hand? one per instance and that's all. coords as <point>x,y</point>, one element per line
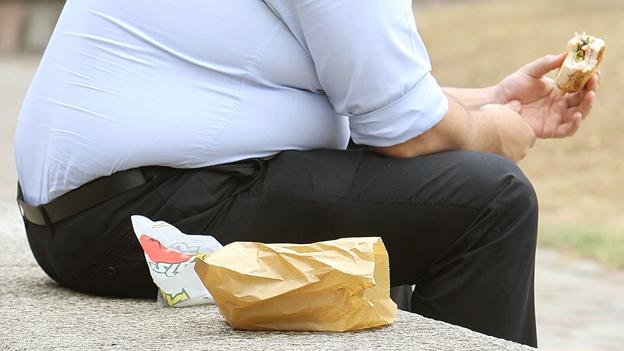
<point>512,136</point>
<point>506,118</point>
<point>549,113</point>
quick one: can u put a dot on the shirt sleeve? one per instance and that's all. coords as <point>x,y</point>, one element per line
<point>371,63</point>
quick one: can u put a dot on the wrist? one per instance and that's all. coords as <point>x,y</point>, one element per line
<point>483,134</point>
<point>498,94</point>
<point>474,99</point>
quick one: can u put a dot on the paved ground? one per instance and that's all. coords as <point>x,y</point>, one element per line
<point>580,304</point>
<point>37,314</point>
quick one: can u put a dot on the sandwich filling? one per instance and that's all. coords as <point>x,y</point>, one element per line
<point>584,51</point>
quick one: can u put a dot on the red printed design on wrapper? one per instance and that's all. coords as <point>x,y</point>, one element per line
<point>163,260</point>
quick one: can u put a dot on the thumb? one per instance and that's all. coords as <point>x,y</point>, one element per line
<point>514,105</point>
<point>538,68</point>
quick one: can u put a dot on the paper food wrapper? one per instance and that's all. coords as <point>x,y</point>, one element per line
<point>170,256</point>
<point>334,285</point>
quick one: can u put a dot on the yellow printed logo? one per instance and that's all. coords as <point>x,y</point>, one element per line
<point>203,256</point>
<point>173,300</point>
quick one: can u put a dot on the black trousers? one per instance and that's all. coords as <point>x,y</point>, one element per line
<point>461,226</point>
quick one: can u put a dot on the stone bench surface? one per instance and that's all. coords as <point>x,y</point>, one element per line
<point>37,314</point>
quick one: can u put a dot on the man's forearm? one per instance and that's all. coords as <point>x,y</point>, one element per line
<point>474,99</point>
<point>495,129</point>
<point>456,131</point>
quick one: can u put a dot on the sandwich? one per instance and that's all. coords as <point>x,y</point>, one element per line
<point>585,52</point>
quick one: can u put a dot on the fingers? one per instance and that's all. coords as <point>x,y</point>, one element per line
<point>586,104</point>
<point>575,99</point>
<point>514,105</point>
<point>570,127</point>
<point>570,120</point>
<point>538,68</point>
<point>533,138</point>
<point>555,116</point>
<point>593,82</point>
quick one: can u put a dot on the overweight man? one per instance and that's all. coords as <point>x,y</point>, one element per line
<point>232,118</point>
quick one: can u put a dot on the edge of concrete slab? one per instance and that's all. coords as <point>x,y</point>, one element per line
<point>36,313</point>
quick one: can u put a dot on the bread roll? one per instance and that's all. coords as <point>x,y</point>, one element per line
<point>585,52</point>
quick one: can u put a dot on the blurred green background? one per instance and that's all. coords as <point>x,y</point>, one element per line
<point>579,180</point>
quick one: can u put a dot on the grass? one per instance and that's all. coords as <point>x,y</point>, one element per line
<point>597,243</point>
<point>579,180</point>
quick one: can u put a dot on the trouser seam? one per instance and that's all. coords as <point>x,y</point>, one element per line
<point>325,196</point>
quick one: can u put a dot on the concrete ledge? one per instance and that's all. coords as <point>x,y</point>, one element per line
<point>36,313</point>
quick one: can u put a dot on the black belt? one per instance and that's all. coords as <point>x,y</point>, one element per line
<point>82,198</point>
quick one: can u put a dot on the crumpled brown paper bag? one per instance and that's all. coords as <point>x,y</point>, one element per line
<point>333,285</point>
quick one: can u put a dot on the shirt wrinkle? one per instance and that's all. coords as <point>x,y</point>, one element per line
<point>126,84</point>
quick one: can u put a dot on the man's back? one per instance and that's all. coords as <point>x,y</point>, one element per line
<point>125,84</point>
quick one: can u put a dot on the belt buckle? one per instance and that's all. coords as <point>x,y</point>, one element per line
<point>21,209</point>
<point>34,215</point>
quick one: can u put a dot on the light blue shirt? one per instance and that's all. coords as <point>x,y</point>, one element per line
<point>193,83</point>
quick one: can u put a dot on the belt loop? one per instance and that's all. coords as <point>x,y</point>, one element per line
<point>149,172</point>
<point>47,220</point>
